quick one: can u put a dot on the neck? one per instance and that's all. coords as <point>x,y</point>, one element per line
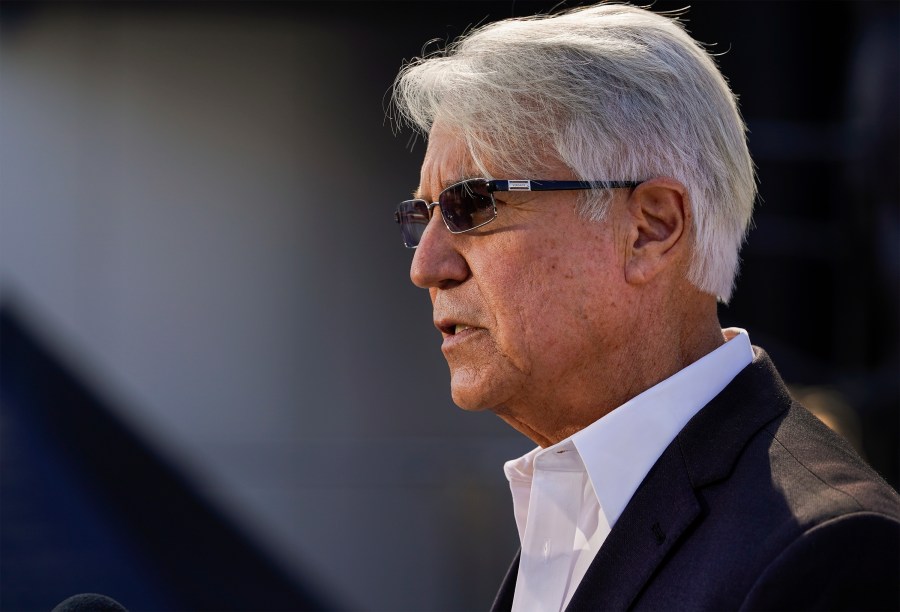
<point>663,345</point>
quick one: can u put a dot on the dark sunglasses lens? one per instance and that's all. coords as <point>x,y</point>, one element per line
<point>412,215</point>
<point>467,205</point>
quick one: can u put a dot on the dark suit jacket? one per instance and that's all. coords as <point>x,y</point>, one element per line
<point>755,505</point>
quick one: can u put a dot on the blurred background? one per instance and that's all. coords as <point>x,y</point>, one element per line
<point>219,390</point>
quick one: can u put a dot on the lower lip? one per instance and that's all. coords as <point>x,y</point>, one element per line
<point>451,341</point>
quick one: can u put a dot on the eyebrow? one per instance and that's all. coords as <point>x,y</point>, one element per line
<point>417,192</point>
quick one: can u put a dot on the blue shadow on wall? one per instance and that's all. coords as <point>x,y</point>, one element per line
<point>86,506</point>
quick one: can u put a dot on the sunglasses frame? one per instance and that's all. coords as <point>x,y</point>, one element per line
<point>505,185</point>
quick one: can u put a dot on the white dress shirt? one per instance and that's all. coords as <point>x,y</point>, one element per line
<point>568,496</point>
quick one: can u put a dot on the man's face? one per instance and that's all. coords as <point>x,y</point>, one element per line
<point>532,307</point>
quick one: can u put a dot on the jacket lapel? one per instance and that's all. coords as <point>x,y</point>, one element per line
<point>666,504</point>
<point>662,508</point>
<point>504,598</point>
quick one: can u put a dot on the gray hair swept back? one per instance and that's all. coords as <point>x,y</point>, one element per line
<point>613,91</point>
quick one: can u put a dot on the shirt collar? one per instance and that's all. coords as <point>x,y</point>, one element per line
<point>619,449</point>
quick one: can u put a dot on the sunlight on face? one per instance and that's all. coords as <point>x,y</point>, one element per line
<point>527,305</point>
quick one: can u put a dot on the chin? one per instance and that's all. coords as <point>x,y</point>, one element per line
<point>468,397</point>
<point>467,403</point>
<point>482,389</point>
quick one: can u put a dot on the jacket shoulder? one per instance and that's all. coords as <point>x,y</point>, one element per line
<point>818,472</point>
<point>847,563</point>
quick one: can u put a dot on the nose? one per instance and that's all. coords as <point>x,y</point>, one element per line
<point>437,262</point>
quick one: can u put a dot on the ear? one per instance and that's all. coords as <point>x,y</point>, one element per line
<point>659,217</point>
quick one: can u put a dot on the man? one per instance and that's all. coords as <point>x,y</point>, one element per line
<point>581,205</point>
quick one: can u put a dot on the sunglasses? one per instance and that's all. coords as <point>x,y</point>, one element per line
<point>470,204</point>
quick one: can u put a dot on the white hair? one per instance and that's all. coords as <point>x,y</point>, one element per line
<point>613,91</point>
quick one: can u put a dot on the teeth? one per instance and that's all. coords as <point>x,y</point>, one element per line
<point>460,327</point>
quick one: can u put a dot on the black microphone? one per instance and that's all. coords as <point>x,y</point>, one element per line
<point>89,602</point>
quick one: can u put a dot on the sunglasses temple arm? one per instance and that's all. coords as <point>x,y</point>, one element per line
<point>528,185</point>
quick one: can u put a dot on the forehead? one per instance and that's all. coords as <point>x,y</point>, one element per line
<point>447,161</point>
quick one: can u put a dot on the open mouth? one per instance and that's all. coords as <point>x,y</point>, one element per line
<point>453,329</point>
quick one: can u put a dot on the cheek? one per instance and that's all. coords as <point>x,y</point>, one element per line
<point>557,308</point>
<point>531,310</point>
